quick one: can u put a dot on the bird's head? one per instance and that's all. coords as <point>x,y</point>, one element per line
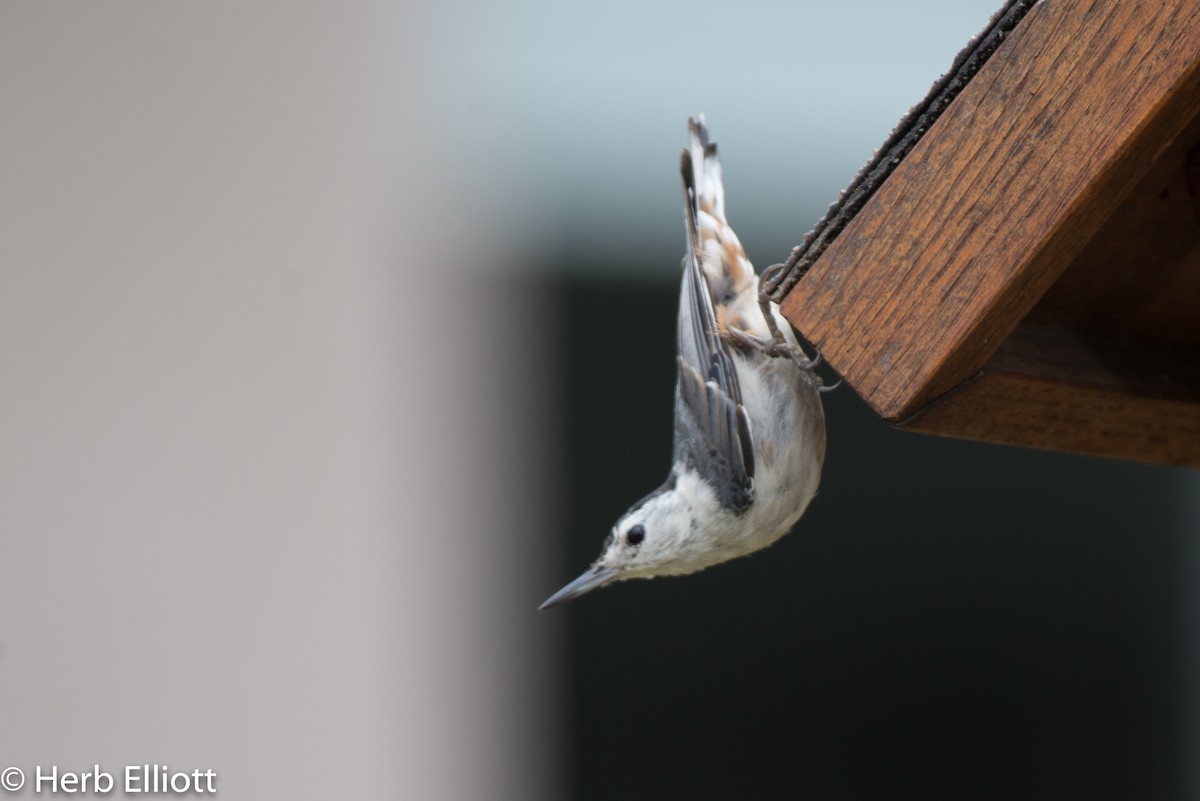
<point>660,535</point>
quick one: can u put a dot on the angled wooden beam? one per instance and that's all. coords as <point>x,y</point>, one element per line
<point>1053,388</point>
<point>1085,105</point>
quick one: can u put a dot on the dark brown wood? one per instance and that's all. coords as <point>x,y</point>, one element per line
<point>1139,276</point>
<point>1054,190</point>
<point>1099,394</point>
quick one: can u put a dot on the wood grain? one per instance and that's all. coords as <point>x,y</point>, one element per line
<point>998,198</point>
<point>1139,276</point>
<point>1036,413</point>
<point>1101,394</point>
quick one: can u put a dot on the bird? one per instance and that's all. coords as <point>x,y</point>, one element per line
<point>749,438</point>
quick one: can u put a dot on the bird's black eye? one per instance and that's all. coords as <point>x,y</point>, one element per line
<point>636,534</point>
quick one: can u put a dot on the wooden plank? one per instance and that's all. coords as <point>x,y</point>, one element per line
<point>1140,275</point>
<point>999,196</point>
<point>1103,395</point>
<point>1041,413</point>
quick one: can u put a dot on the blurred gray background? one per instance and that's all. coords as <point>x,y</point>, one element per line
<point>318,341</point>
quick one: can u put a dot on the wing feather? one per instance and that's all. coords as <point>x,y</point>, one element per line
<point>712,429</point>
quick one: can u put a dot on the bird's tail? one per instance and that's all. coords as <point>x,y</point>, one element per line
<point>721,256</point>
<point>706,170</point>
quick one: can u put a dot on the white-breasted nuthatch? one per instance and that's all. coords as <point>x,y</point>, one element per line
<point>749,427</point>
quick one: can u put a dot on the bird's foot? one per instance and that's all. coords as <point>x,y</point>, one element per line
<point>775,348</point>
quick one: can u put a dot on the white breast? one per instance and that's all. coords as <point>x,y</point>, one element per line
<point>788,428</point>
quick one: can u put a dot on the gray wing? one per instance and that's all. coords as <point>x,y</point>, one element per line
<point>712,429</point>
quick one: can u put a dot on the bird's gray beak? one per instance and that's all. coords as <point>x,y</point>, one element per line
<point>596,576</point>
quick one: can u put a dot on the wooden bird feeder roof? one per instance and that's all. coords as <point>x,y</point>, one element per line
<point>1021,263</point>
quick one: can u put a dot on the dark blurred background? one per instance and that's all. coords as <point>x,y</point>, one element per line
<point>948,620</point>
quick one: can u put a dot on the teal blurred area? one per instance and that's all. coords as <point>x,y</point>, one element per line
<point>579,108</point>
